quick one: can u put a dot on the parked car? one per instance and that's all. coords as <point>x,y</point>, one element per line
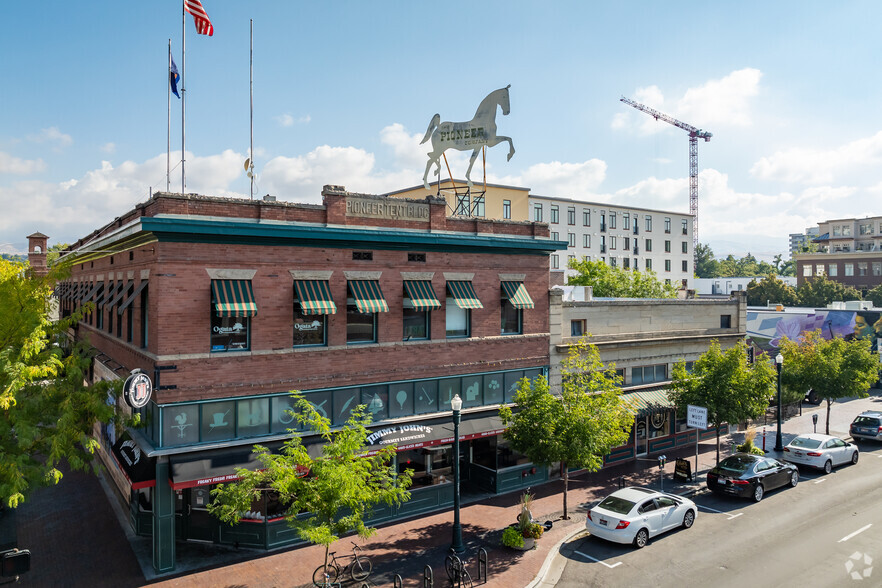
<point>867,425</point>
<point>634,515</point>
<point>820,451</point>
<point>751,476</point>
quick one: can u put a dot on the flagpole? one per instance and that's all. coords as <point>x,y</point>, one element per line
<point>183,90</point>
<point>168,120</point>
<point>252,108</point>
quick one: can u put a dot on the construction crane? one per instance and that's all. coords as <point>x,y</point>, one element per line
<point>694,136</point>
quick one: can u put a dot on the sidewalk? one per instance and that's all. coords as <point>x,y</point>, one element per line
<point>77,542</point>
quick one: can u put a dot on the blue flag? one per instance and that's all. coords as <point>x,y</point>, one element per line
<point>173,77</point>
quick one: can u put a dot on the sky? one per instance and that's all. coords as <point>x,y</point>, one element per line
<point>344,92</point>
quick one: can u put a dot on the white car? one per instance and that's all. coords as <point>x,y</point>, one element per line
<point>820,451</point>
<point>633,515</point>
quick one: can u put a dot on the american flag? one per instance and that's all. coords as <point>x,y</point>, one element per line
<point>200,17</point>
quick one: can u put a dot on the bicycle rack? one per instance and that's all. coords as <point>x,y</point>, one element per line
<point>428,578</point>
<point>482,566</point>
<point>396,581</point>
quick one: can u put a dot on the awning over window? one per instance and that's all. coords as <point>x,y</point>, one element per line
<point>368,296</point>
<point>406,436</point>
<point>422,295</point>
<point>132,296</point>
<point>112,291</point>
<point>464,294</point>
<point>89,293</point>
<point>138,468</point>
<point>648,401</point>
<point>517,294</point>
<point>214,467</point>
<point>315,296</point>
<point>121,293</point>
<point>233,298</point>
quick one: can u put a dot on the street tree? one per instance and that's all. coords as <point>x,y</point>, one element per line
<point>770,289</point>
<point>832,368</point>
<point>338,489</point>
<point>875,295</point>
<point>577,426</point>
<point>725,383</point>
<point>705,264</point>
<point>47,413</point>
<point>615,282</point>
<point>818,292</point>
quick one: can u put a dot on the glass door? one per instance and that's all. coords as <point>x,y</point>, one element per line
<point>200,523</point>
<point>641,439</point>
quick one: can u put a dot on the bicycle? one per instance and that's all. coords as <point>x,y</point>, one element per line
<point>456,571</point>
<point>359,568</point>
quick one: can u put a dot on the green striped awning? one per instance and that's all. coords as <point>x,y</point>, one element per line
<point>464,294</point>
<point>233,298</point>
<point>315,296</point>
<point>517,295</point>
<point>368,296</point>
<point>422,295</point>
<point>649,401</point>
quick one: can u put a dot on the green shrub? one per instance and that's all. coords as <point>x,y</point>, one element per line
<point>511,537</point>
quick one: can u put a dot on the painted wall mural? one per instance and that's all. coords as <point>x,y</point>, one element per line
<point>766,328</point>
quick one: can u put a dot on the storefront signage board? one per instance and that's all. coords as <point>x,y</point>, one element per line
<point>391,210</point>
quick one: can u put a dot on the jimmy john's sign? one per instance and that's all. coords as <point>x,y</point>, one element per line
<point>137,389</point>
<point>401,436</point>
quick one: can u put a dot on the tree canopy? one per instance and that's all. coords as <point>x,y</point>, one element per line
<point>577,427</point>
<point>771,289</point>
<point>48,414</point>
<point>725,383</point>
<point>615,282</point>
<point>818,292</point>
<point>707,266</point>
<point>343,484</point>
<point>833,368</point>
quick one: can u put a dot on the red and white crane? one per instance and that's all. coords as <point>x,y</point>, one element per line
<point>694,135</point>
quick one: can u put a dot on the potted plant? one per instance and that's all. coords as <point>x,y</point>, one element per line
<point>512,537</point>
<point>748,446</point>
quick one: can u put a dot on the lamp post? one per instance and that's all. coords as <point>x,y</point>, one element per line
<point>779,362</point>
<point>457,546</point>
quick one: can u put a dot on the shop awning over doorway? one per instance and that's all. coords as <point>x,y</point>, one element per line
<point>518,295</point>
<point>422,295</point>
<point>464,294</point>
<point>368,296</point>
<point>315,296</point>
<point>233,298</point>
<point>137,467</point>
<point>648,401</point>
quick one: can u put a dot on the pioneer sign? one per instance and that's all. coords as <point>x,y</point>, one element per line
<point>473,134</point>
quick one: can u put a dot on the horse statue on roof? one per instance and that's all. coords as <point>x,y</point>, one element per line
<point>473,134</point>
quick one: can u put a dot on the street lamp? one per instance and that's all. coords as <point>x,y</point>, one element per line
<point>457,546</point>
<point>779,362</point>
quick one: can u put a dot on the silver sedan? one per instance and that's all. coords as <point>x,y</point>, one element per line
<point>820,451</point>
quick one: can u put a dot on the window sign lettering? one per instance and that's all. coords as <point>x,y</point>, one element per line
<point>471,391</point>
<point>229,333</point>
<point>401,400</point>
<point>218,421</point>
<point>426,397</point>
<point>181,424</point>
<point>345,401</point>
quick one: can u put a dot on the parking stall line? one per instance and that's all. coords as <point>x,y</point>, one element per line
<point>735,515</point>
<point>730,517</point>
<point>861,530</point>
<point>819,480</point>
<point>618,563</point>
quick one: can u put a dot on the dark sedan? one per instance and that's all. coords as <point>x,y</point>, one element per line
<point>751,476</point>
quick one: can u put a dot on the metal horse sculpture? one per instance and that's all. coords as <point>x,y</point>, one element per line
<point>473,134</point>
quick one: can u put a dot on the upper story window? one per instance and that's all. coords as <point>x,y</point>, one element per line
<point>612,242</point>
<point>478,206</point>
<point>626,221</point>
<point>667,265</point>
<point>846,230</point>
<point>463,205</point>
<point>571,239</point>
<point>506,209</point>
<point>849,269</point>
<point>555,214</point>
<point>233,306</point>
<point>312,305</point>
<point>833,269</point>
<point>602,221</point>
<point>685,264</point>
<point>807,270</point>
<point>364,302</point>
<point>554,235</point>
<point>555,261</point>
<point>684,247</point>
<point>667,246</point>
<point>571,215</point>
<point>586,217</point>
<point>648,222</point>
<point>537,213</point>
<point>837,231</point>
<point>685,226</point>
<point>419,301</point>
<point>648,246</point>
<point>648,263</point>
<point>586,240</point>
<point>866,228</point>
<point>461,299</point>
<point>667,224</point>
<point>514,300</point>
<point>612,220</point>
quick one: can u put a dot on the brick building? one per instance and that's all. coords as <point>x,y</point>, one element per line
<point>229,304</point>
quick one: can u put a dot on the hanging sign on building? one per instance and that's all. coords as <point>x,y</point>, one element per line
<point>137,389</point>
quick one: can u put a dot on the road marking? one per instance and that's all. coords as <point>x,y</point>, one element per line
<point>719,511</point>
<point>618,563</point>
<point>735,515</point>
<point>818,481</point>
<point>861,530</point>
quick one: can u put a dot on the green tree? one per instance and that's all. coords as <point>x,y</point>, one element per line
<point>705,264</point>
<point>47,414</point>
<point>54,252</point>
<point>770,290</point>
<point>340,490</point>
<point>833,368</point>
<point>875,295</point>
<point>615,282</point>
<point>577,427</point>
<point>820,291</point>
<point>724,382</point>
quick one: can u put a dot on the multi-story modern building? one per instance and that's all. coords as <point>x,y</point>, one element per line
<point>228,305</point>
<point>800,240</point>
<point>849,252</point>
<point>621,236</point>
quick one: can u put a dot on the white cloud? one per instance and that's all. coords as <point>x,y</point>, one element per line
<point>567,180</point>
<point>18,166</point>
<point>287,120</point>
<point>819,166</point>
<point>51,135</point>
<point>109,148</point>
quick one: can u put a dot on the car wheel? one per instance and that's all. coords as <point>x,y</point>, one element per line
<point>688,519</point>
<point>758,493</point>
<point>828,466</point>
<point>854,457</point>
<point>641,538</point>
<point>794,478</point>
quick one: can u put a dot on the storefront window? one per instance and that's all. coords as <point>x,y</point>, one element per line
<point>448,388</point>
<point>484,452</point>
<point>493,389</point>
<point>344,402</point>
<point>659,424</point>
<point>180,425</point>
<point>400,400</point>
<point>283,419</point>
<point>509,457</point>
<point>471,391</point>
<point>425,397</point>
<point>229,333</point>
<point>218,421</point>
<point>322,403</point>
<point>253,417</point>
<point>376,398</point>
<point>309,329</point>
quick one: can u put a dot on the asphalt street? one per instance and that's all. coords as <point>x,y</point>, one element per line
<point>827,531</point>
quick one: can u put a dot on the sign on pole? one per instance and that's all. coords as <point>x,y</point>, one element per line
<point>696,417</point>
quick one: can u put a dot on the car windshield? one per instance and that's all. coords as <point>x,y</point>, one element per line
<point>616,505</point>
<point>866,421</point>
<point>737,463</point>
<point>806,443</point>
